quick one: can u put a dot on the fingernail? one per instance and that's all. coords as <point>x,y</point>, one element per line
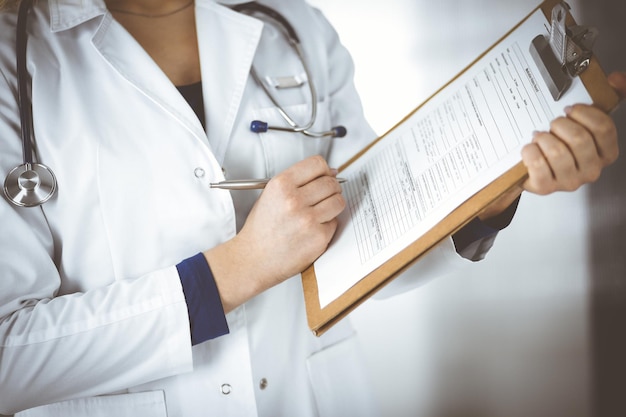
<point>334,171</point>
<point>568,110</point>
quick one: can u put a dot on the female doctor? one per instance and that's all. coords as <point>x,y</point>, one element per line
<point>138,290</point>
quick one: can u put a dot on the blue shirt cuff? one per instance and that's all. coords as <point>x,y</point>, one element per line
<point>206,313</point>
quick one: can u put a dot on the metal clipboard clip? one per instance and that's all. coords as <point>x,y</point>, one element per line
<point>565,53</point>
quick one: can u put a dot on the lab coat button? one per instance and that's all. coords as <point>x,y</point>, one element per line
<point>225,389</point>
<point>198,172</point>
<point>263,383</point>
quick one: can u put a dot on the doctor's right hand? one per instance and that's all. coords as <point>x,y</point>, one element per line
<point>290,226</point>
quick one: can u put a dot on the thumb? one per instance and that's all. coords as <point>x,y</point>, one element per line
<point>617,80</point>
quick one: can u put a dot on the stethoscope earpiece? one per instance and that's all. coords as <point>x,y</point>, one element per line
<point>339,131</point>
<point>257,126</point>
<point>30,185</point>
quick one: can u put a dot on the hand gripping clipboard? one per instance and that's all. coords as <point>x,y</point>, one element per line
<point>561,57</point>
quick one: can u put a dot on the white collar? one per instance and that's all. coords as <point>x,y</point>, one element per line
<point>66,14</point>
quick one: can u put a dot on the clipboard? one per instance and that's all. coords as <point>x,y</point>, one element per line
<point>603,96</point>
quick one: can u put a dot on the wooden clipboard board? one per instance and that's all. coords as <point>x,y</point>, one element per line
<point>321,319</point>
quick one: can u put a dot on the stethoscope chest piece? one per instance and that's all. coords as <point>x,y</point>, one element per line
<point>30,185</point>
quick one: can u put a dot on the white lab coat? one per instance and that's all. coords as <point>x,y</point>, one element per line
<point>93,320</point>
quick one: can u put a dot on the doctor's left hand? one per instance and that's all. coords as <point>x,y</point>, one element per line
<point>290,226</point>
<point>572,153</point>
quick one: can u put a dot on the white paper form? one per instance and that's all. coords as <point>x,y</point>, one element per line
<point>461,140</point>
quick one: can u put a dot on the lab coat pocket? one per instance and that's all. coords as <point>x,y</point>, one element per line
<point>142,404</point>
<point>283,149</point>
<point>340,382</point>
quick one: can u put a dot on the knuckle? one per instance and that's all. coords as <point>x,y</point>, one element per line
<point>579,137</point>
<point>292,204</point>
<point>329,183</point>
<point>571,184</point>
<point>579,130</point>
<point>338,202</point>
<point>308,222</point>
<point>531,155</point>
<point>608,130</point>
<point>557,123</point>
<point>334,185</point>
<point>319,161</point>
<point>280,182</point>
<point>555,151</point>
<point>593,174</point>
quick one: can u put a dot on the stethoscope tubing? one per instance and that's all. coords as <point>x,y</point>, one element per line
<point>29,184</point>
<point>290,34</point>
<point>312,90</point>
<point>24,103</point>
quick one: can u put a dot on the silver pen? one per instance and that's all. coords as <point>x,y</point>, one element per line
<point>251,184</point>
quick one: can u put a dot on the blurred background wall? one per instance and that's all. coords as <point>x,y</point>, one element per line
<point>539,327</point>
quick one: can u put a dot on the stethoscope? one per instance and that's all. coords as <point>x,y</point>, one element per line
<point>32,184</point>
<point>288,31</point>
<point>29,184</point>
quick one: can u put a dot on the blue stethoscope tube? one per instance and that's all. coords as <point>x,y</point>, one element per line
<point>288,31</point>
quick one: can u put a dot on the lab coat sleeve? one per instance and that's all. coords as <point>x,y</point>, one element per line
<point>103,340</point>
<point>55,347</point>
<point>439,262</point>
<point>470,244</point>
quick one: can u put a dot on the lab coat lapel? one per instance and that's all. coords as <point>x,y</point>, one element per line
<point>227,41</point>
<point>132,62</point>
